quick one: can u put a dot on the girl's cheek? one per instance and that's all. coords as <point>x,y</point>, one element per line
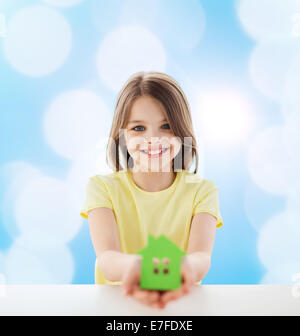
<point>134,143</point>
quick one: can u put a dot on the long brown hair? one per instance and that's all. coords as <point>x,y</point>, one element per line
<point>165,89</point>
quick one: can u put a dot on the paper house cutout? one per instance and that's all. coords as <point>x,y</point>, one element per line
<point>161,264</point>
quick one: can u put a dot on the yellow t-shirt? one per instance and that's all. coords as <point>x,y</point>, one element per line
<point>139,213</point>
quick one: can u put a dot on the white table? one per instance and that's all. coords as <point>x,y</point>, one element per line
<point>107,300</point>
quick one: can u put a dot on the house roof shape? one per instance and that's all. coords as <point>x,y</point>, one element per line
<point>161,246</point>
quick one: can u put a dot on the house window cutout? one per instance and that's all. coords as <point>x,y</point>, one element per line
<point>166,261</point>
<point>166,271</point>
<point>155,270</point>
<point>155,261</point>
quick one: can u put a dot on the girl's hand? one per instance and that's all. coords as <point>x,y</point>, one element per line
<point>130,284</point>
<point>188,277</point>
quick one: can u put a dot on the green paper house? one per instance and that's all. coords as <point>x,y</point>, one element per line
<point>161,264</point>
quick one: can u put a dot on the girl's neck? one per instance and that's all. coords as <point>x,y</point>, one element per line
<point>153,181</point>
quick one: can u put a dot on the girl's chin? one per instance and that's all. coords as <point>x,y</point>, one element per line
<point>142,160</point>
<point>155,167</point>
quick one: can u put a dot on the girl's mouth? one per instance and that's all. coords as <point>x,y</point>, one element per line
<point>154,154</point>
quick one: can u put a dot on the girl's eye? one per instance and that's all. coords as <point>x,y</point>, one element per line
<point>143,126</point>
<point>136,127</point>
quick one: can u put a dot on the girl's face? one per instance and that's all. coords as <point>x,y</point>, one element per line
<point>149,138</point>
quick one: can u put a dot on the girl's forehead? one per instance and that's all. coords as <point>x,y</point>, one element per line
<point>147,116</point>
<point>144,105</point>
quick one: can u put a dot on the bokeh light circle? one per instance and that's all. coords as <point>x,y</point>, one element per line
<point>291,99</point>
<point>44,213</point>
<point>285,273</point>
<point>14,176</point>
<point>269,20</point>
<point>269,164</point>
<point>38,40</point>
<point>278,242</point>
<point>224,116</point>
<point>127,50</point>
<point>50,266</point>
<point>88,164</point>
<point>74,121</point>
<point>268,66</point>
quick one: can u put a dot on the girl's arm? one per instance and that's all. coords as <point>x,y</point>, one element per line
<point>105,238</point>
<point>115,265</point>
<point>196,263</point>
<point>201,242</point>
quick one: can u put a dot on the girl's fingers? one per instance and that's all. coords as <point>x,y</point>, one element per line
<point>177,293</point>
<point>187,282</point>
<point>171,295</point>
<point>129,282</point>
<point>188,278</point>
<point>153,296</point>
<point>154,299</point>
<point>135,289</point>
<point>132,276</point>
<point>140,296</point>
<point>127,287</point>
<point>146,297</point>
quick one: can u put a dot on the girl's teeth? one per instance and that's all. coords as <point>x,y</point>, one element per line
<point>156,152</point>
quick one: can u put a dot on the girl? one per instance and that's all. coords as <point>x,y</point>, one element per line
<point>152,191</point>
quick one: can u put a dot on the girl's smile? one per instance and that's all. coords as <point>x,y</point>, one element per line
<point>154,154</point>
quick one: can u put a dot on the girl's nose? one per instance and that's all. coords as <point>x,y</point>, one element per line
<point>152,139</point>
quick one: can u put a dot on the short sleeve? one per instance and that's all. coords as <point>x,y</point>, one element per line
<point>207,200</point>
<point>96,196</point>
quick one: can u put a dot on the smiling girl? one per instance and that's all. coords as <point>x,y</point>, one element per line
<point>152,190</point>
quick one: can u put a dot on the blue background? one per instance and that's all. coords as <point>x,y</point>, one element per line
<point>220,58</point>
